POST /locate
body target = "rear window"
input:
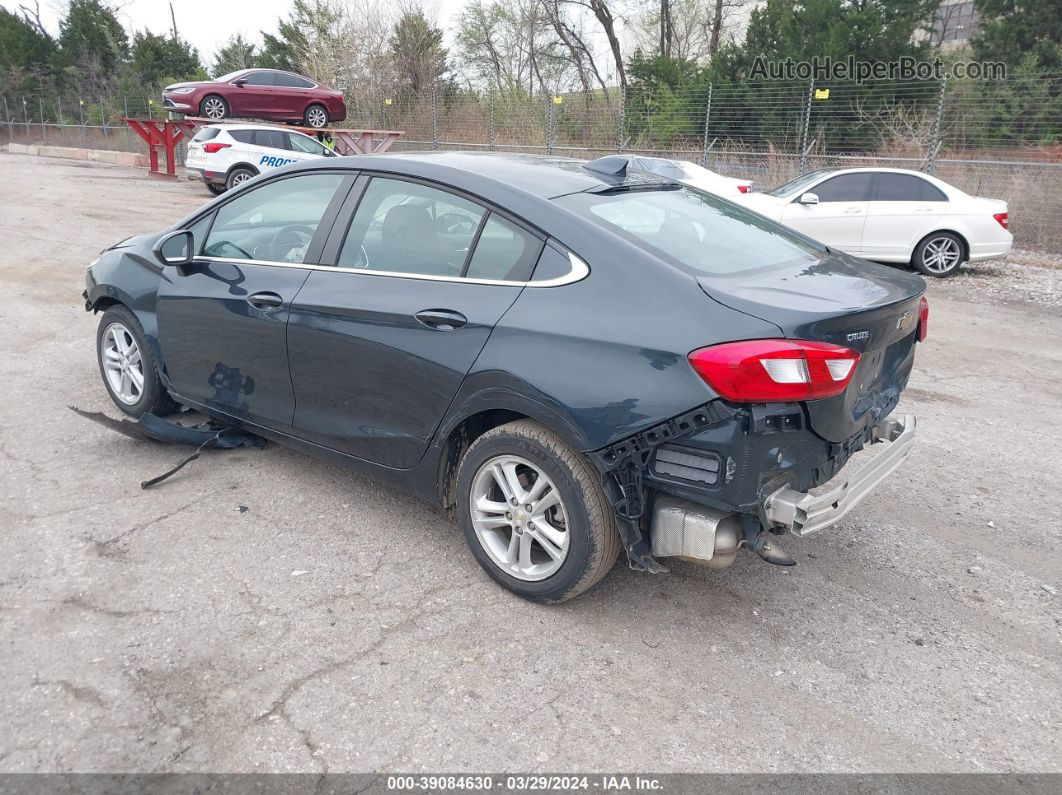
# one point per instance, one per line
(703, 233)
(206, 133)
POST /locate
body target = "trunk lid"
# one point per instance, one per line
(861, 305)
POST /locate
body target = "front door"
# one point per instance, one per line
(254, 97)
(840, 214)
(380, 344)
(223, 319)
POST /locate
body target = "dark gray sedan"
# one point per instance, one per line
(572, 358)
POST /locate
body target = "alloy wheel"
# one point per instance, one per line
(213, 108)
(941, 254)
(519, 518)
(123, 365)
(240, 177)
(316, 117)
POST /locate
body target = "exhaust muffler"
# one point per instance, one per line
(684, 529)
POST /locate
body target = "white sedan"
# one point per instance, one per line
(890, 215)
(691, 174)
(225, 155)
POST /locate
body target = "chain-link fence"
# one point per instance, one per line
(999, 139)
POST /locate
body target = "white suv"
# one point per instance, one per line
(224, 155)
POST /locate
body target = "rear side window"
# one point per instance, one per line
(845, 188)
(503, 252)
(243, 136)
(274, 139)
(274, 222)
(291, 81)
(906, 188)
(703, 233)
(406, 227)
(206, 133)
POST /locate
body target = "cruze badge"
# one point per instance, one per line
(905, 321)
(858, 335)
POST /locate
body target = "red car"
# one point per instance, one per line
(260, 94)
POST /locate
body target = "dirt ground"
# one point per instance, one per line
(263, 611)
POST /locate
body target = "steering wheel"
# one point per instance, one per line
(304, 232)
(224, 244)
(452, 223)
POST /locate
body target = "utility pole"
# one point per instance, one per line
(665, 28)
(173, 19)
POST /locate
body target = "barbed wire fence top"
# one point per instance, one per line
(996, 138)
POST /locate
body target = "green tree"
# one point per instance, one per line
(157, 60)
(235, 54)
(25, 52)
(419, 57)
(91, 37)
(1025, 33)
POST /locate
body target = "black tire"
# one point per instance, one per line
(239, 175)
(926, 259)
(153, 397)
(217, 190)
(316, 116)
(211, 101)
(594, 542)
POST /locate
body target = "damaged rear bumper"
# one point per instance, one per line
(802, 513)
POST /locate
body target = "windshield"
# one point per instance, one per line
(230, 76)
(702, 232)
(797, 183)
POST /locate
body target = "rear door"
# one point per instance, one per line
(901, 207)
(222, 319)
(840, 214)
(380, 343)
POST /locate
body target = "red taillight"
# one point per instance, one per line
(212, 147)
(759, 371)
(743, 188)
(1003, 220)
(923, 320)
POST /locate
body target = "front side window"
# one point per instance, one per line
(698, 231)
(845, 188)
(274, 222)
(405, 227)
(303, 143)
(260, 79)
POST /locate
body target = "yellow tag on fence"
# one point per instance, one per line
(388, 101)
(822, 93)
(558, 100)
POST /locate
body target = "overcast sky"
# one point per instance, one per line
(205, 23)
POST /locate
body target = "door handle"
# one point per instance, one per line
(441, 319)
(265, 300)
(853, 210)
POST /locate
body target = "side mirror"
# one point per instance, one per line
(809, 198)
(176, 248)
(240, 81)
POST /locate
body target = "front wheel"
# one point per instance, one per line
(534, 514)
(128, 367)
(316, 117)
(938, 254)
(214, 108)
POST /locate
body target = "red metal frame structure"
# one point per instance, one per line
(162, 134)
(165, 134)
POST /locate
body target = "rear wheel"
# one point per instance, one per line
(534, 514)
(213, 107)
(128, 366)
(939, 254)
(316, 117)
(238, 176)
(217, 190)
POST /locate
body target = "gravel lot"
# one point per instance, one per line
(335, 625)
